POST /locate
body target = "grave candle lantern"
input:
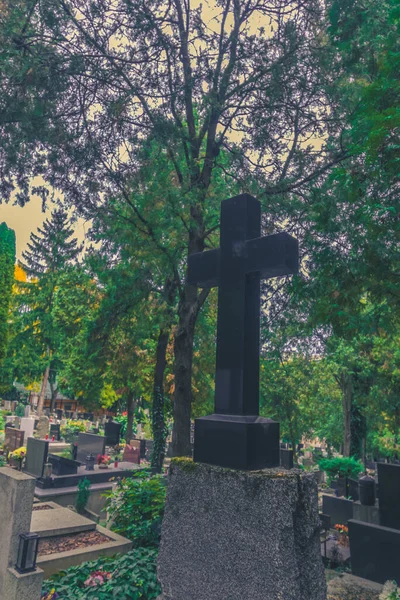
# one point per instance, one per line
(27, 552)
(90, 462)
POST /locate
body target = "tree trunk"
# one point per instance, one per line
(347, 390)
(158, 417)
(130, 407)
(43, 390)
(54, 391)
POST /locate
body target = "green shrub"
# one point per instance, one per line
(83, 494)
(20, 410)
(3, 460)
(341, 467)
(2, 423)
(133, 577)
(72, 429)
(136, 507)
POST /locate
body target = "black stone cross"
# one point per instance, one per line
(235, 436)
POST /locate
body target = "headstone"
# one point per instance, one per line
(286, 458)
(131, 454)
(339, 509)
(55, 430)
(63, 466)
(375, 552)
(16, 501)
(7, 405)
(389, 494)
(237, 268)
(59, 413)
(28, 426)
(13, 439)
(247, 535)
(352, 489)
(112, 432)
(36, 456)
(43, 427)
(149, 449)
(27, 411)
(90, 444)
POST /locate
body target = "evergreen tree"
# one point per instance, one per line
(7, 260)
(51, 251)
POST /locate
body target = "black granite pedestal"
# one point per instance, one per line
(237, 442)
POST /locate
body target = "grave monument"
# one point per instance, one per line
(251, 529)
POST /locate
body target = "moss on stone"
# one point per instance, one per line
(189, 466)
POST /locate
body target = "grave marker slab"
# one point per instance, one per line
(36, 456)
(235, 435)
(14, 438)
(112, 432)
(339, 509)
(43, 427)
(28, 426)
(89, 443)
(132, 454)
(375, 551)
(389, 494)
(55, 430)
(286, 458)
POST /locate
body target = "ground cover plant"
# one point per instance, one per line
(128, 577)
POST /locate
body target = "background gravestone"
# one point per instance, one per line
(43, 427)
(55, 430)
(375, 551)
(28, 426)
(389, 494)
(132, 454)
(112, 432)
(89, 443)
(36, 456)
(14, 438)
(339, 509)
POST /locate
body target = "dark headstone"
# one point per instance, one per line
(36, 456)
(339, 485)
(370, 464)
(63, 466)
(90, 444)
(149, 449)
(339, 509)
(55, 430)
(59, 413)
(389, 494)
(367, 491)
(142, 449)
(326, 521)
(112, 432)
(235, 436)
(132, 454)
(375, 551)
(286, 458)
(352, 489)
(13, 439)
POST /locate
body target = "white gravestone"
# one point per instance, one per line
(27, 425)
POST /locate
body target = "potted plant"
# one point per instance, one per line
(343, 535)
(103, 460)
(18, 456)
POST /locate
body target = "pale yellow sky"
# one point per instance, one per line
(26, 219)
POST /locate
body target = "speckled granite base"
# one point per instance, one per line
(236, 535)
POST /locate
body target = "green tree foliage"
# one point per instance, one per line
(7, 261)
(36, 337)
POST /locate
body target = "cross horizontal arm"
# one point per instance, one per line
(272, 256)
(203, 269)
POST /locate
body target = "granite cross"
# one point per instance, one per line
(235, 436)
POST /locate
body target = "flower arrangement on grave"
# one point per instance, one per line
(97, 578)
(103, 460)
(18, 455)
(343, 534)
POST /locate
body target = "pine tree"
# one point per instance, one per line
(50, 252)
(7, 260)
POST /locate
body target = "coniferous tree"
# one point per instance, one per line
(50, 252)
(7, 260)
